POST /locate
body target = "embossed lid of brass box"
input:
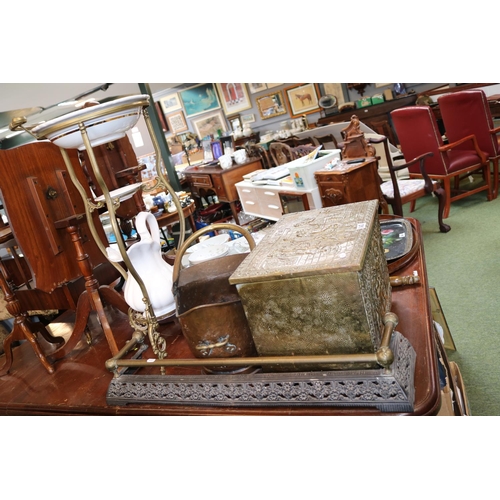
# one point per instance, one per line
(326, 240)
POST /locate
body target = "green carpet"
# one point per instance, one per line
(464, 267)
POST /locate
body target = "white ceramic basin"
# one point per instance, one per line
(104, 123)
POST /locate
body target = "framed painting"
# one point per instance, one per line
(234, 97)
(271, 105)
(234, 121)
(302, 99)
(199, 99)
(272, 85)
(257, 87)
(248, 118)
(176, 122)
(170, 103)
(339, 90)
(209, 124)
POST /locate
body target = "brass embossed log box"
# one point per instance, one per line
(317, 283)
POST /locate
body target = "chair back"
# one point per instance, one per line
(465, 113)
(327, 141)
(281, 153)
(418, 133)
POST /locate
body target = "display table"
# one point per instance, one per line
(357, 182)
(214, 179)
(80, 382)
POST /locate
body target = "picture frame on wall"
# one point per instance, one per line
(271, 105)
(247, 118)
(339, 90)
(170, 103)
(177, 122)
(234, 121)
(209, 124)
(302, 99)
(272, 85)
(199, 99)
(234, 97)
(257, 87)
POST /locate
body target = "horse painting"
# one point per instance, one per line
(304, 97)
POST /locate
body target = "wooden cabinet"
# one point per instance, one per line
(377, 117)
(359, 182)
(213, 179)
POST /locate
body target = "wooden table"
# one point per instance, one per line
(358, 182)
(80, 381)
(169, 218)
(222, 182)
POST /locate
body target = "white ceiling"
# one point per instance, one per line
(38, 101)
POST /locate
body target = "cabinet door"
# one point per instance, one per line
(332, 190)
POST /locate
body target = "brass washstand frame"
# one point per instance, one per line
(141, 322)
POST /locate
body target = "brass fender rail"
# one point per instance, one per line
(384, 355)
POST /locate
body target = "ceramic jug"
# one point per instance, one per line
(156, 274)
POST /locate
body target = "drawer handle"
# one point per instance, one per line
(249, 203)
(246, 190)
(270, 193)
(274, 207)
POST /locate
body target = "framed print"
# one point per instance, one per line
(302, 99)
(248, 118)
(234, 97)
(271, 105)
(273, 85)
(234, 121)
(339, 90)
(257, 87)
(161, 117)
(199, 99)
(209, 124)
(170, 103)
(176, 122)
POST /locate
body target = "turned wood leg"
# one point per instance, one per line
(23, 329)
(441, 194)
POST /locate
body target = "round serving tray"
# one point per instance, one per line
(405, 248)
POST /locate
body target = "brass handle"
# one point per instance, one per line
(203, 230)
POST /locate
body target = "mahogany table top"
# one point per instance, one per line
(80, 381)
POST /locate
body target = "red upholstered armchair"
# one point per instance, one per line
(465, 113)
(418, 133)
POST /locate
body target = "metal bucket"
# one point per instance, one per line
(209, 309)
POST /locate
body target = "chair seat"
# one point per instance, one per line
(461, 159)
(406, 187)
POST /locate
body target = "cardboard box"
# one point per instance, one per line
(317, 283)
(363, 102)
(378, 99)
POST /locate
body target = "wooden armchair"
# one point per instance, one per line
(418, 133)
(281, 153)
(256, 151)
(327, 141)
(398, 192)
(468, 113)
